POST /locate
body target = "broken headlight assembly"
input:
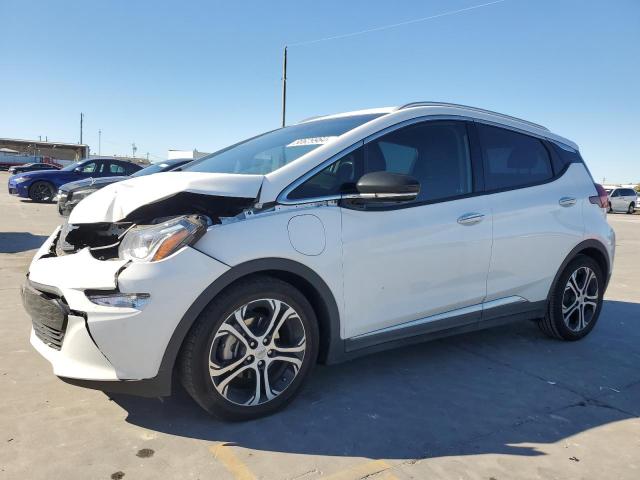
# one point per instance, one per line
(150, 243)
(74, 198)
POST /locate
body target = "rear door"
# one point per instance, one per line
(536, 214)
(629, 196)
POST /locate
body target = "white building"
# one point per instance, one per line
(193, 154)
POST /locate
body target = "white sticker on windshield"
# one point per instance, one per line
(310, 141)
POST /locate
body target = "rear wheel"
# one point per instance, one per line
(632, 208)
(41, 192)
(250, 350)
(576, 300)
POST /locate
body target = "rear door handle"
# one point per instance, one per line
(470, 218)
(567, 201)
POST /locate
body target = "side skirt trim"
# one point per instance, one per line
(467, 319)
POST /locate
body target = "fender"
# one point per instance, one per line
(331, 344)
(584, 245)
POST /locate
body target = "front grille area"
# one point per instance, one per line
(48, 312)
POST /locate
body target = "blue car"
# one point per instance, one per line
(41, 186)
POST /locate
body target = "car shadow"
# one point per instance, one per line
(15, 242)
(493, 391)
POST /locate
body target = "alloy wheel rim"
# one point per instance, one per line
(580, 299)
(257, 352)
(42, 192)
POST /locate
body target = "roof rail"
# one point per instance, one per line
(475, 109)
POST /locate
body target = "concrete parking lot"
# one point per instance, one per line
(500, 404)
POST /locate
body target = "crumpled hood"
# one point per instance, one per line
(114, 202)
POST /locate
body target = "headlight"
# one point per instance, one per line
(150, 243)
(121, 300)
(80, 194)
(21, 179)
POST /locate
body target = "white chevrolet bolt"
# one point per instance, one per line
(335, 237)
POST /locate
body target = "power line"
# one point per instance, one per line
(395, 25)
(362, 32)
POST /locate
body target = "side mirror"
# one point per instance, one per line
(386, 187)
(77, 170)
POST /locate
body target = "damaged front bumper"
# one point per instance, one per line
(111, 348)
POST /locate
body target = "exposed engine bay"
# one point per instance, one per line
(103, 238)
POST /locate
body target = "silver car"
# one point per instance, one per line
(622, 200)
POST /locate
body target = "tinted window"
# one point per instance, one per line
(435, 153)
(116, 168)
(563, 157)
(339, 177)
(512, 159)
(628, 192)
(88, 167)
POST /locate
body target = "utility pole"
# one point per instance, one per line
(99, 142)
(133, 149)
(81, 119)
(284, 86)
(147, 157)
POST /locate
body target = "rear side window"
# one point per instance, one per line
(116, 168)
(512, 159)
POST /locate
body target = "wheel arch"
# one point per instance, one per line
(290, 271)
(591, 248)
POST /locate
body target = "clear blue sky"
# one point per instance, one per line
(205, 74)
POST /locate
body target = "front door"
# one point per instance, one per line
(422, 263)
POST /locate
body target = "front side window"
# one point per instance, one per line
(435, 153)
(339, 177)
(512, 159)
(268, 152)
(88, 167)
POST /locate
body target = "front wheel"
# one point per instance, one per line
(576, 300)
(250, 350)
(609, 209)
(41, 192)
(632, 208)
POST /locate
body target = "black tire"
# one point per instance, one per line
(198, 348)
(554, 324)
(609, 209)
(41, 192)
(631, 209)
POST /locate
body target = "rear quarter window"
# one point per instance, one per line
(564, 156)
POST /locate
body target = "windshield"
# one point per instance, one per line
(268, 152)
(155, 168)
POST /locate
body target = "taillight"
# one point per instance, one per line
(602, 199)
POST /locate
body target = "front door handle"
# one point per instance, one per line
(470, 218)
(567, 201)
